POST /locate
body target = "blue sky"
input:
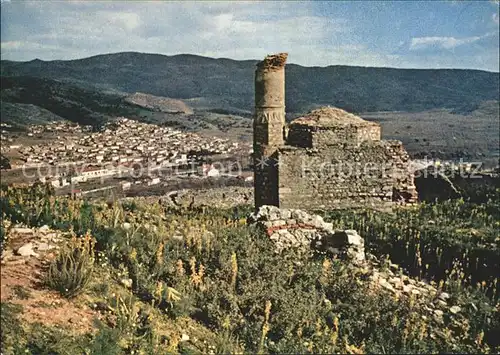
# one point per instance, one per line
(404, 34)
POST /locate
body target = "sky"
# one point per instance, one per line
(402, 34)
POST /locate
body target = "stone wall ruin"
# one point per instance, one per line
(293, 228)
(328, 158)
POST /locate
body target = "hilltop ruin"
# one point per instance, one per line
(328, 158)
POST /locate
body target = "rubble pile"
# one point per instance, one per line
(438, 306)
(295, 228)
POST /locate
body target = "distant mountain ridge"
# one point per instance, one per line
(228, 84)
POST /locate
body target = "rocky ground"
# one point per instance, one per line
(24, 262)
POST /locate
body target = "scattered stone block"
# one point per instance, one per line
(21, 230)
(279, 223)
(45, 228)
(444, 296)
(44, 247)
(26, 250)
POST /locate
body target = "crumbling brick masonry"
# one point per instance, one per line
(328, 158)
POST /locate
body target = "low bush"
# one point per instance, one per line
(72, 269)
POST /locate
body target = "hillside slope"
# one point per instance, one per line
(229, 83)
(52, 97)
(157, 103)
(31, 100)
(23, 114)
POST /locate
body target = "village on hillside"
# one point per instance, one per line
(122, 147)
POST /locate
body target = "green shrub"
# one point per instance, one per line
(106, 342)
(72, 269)
(226, 343)
(11, 331)
(42, 339)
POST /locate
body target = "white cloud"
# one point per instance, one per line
(12, 45)
(127, 20)
(494, 17)
(26, 45)
(443, 42)
(457, 2)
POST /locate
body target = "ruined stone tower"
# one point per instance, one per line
(328, 158)
(268, 126)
